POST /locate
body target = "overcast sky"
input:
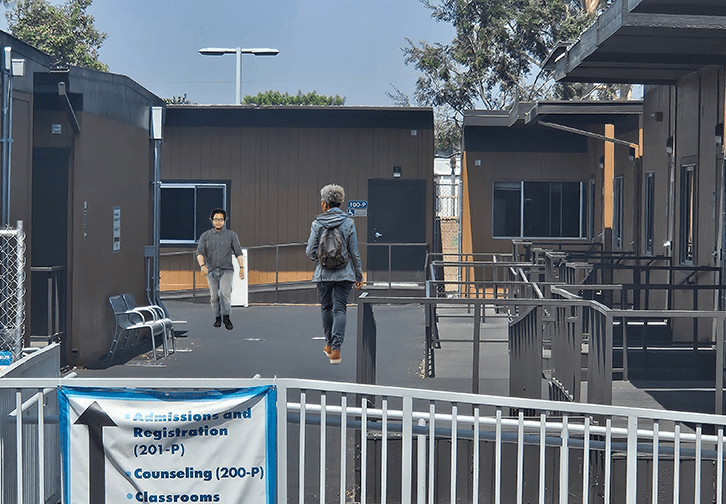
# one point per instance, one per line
(351, 48)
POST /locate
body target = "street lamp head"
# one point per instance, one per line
(219, 51)
(264, 51)
(216, 51)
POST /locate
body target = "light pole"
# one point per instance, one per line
(239, 51)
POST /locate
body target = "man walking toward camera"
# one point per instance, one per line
(333, 244)
(214, 255)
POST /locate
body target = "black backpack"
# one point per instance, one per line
(332, 249)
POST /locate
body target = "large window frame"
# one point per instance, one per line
(538, 209)
(185, 208)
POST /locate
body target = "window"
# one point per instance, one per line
(618, 212)
(548, 209)
(185, 209)
(649, 212)
(687, 214)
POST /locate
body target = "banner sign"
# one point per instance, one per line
(130, 445)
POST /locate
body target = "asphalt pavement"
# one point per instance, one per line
(286, 341)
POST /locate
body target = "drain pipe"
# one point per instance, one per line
(7, 91)
(157, 135)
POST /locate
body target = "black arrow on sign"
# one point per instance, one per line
(96, 419)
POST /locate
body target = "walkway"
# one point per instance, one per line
(285, 341)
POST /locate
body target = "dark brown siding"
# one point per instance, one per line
(112, 168)
(500, 166)
(275, 176)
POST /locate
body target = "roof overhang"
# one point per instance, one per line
(645, 42)
(624, 114)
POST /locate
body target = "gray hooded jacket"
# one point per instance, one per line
(352, 272)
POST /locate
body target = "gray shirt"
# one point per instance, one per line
(217, 248)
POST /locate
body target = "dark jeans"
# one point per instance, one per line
(334, 306)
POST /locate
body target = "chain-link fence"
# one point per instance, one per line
(448, 194)
(12, 290)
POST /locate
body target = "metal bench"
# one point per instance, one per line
(133, 321)
(154, 313)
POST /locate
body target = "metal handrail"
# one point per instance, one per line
(55, 332)
(279, 246)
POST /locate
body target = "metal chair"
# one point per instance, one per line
(153, 313)
(129, 324)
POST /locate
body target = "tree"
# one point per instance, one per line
(269, 98)
(497, 47)
(494, 59)
(65, 32)
(178, 100)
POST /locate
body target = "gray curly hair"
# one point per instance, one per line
(332, 195)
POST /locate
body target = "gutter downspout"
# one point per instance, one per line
(157, 135)
(7, 100)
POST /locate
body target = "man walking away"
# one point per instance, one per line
(214, 255)
(333, 244)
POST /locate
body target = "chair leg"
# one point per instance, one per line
(164, 345)
(153, 340)
(114, 345)
(126, 338)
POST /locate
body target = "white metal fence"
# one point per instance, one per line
(12, 289)
(386, 444)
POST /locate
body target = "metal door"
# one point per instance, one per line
(49, 238)
(396, 218)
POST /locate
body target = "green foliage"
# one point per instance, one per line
(269, 98)
(447, 133)
(65, 32)
(495, 56)
(178, 100)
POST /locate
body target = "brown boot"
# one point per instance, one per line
(327, 350)
(335, 357)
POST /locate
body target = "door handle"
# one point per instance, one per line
(378, 235)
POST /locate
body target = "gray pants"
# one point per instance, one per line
(220, 289)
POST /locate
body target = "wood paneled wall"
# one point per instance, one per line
(275, 175)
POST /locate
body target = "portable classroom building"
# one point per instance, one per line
(266, 166)
(81, 164)
(537, 172)
(676, 49)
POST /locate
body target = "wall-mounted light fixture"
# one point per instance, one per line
(631, 153)
(601, 163)
(719, 134)
(396, 172)
(657, 116)
(669, 145)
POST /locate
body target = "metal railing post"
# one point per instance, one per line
(366, 342)
(20, 284)
(719, 365)
(390, 278)
(625, 348)
(478, 307)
